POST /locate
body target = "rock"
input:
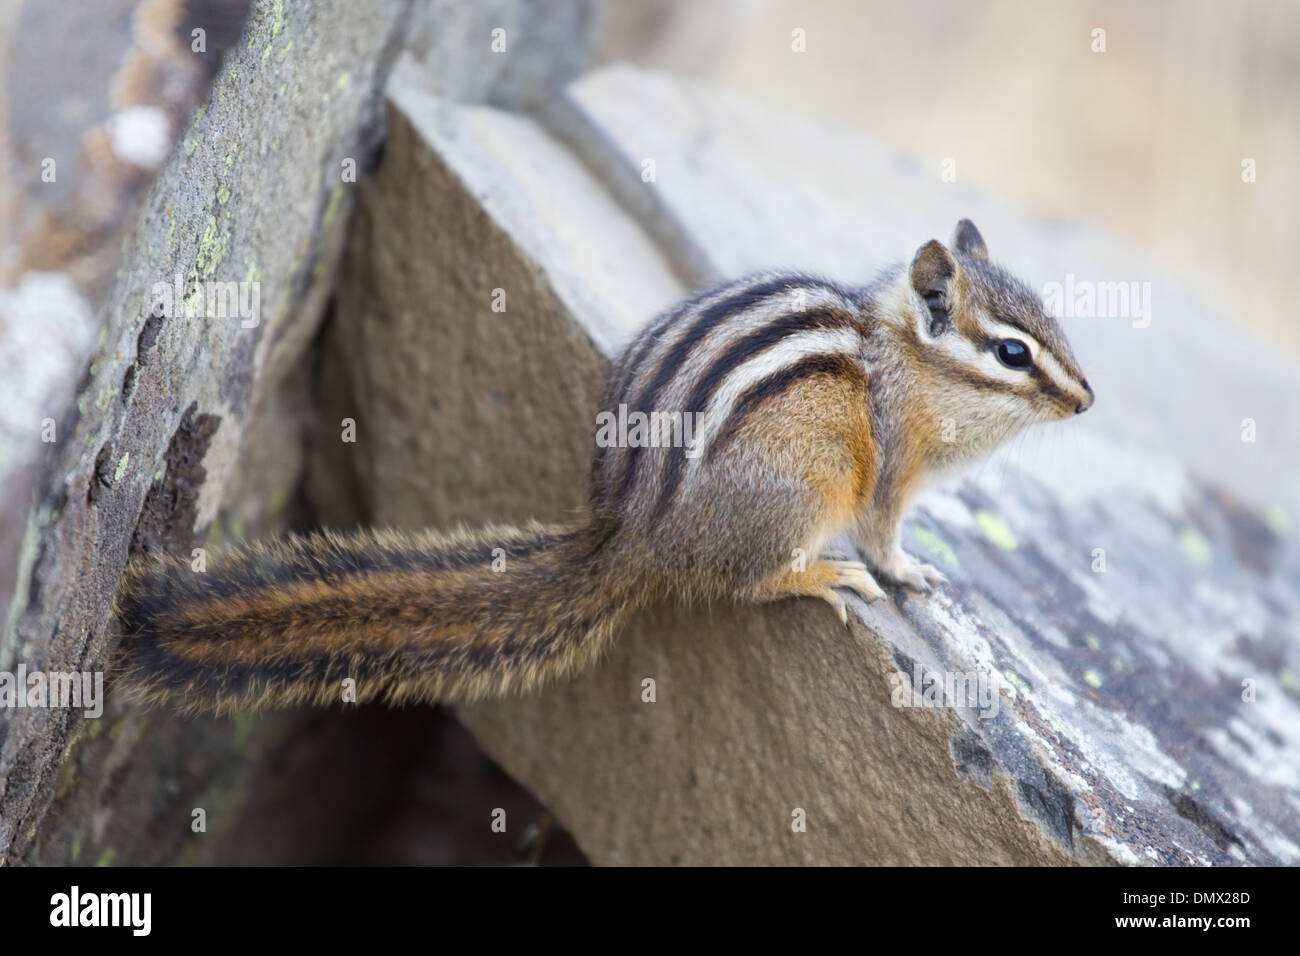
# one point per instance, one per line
(513, 53)
(78, 147)
(166, 445)
(1121, 731)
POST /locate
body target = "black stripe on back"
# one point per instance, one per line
(650, 337)
(735, 355)
(839, 365)
(704, 324)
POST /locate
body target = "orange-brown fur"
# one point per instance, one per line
(374, 627)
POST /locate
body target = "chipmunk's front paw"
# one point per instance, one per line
(907, 571)
(855, 576)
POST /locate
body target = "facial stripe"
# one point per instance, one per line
(957, 358)
(1046, 385)
(995, 331)
(1053, 378)
(1062, 379)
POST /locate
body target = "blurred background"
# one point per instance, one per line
(1146, 139)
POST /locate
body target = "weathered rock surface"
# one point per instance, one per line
(1121, 732)
(77, 148)
(156, 447)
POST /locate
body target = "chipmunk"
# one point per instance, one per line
(823, 409)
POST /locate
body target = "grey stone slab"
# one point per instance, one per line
(1121, 731)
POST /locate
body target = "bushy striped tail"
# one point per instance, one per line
(408, 617)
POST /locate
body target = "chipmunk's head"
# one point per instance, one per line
(992, 360)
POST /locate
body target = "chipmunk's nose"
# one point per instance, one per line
(1087, 402)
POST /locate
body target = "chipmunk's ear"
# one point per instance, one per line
(967, 240)
(933, 269)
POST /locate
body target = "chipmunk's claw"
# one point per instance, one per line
(855, 576)
(907, 571)
(837, 602)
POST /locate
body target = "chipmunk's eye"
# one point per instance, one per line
(1013, 353)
